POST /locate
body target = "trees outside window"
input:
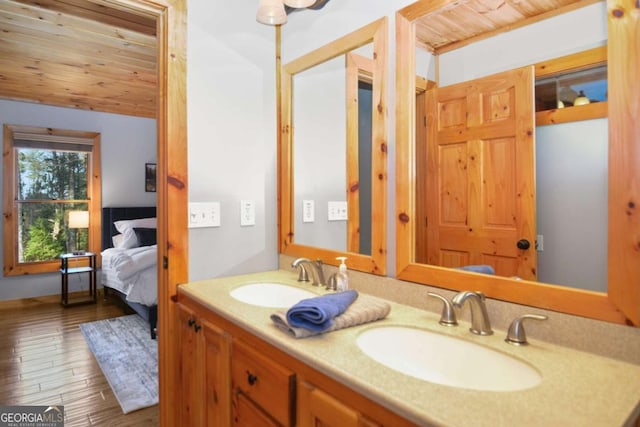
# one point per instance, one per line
(47, 174)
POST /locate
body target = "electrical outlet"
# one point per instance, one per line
(247, 213)
(204, 215)
(308, 211)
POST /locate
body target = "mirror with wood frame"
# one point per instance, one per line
(320, 173)
(612, 305)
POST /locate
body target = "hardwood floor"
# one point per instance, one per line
(44, 360)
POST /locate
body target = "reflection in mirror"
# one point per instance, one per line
(569, 195)
(332, 167)
(592, 182)
(333, 151)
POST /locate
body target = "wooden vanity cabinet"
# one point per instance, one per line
(230, 377)
(203, 371)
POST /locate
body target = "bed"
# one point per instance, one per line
(129, 259)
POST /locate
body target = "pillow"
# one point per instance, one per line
(117, 240)
(145, 236)
(126, 228)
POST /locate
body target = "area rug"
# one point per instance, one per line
(128, 358)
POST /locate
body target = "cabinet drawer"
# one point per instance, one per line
(267, 383)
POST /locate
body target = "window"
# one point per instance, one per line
(47, 174)
(572, 87)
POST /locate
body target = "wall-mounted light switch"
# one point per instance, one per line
(204, 215)
(337, 211)
(247, 213)
(540, 243)
(308, 211)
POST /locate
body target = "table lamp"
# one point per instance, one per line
(78, 219)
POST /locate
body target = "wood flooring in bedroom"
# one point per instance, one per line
(44, 360)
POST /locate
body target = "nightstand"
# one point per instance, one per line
(65, 270)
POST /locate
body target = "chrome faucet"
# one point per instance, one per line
(480, 323)
(316, 267)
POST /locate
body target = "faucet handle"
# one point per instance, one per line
(516, 334)
(448, 316)
(332, 283)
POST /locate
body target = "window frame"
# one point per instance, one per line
(12, 266)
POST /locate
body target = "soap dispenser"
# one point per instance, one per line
(342, 278)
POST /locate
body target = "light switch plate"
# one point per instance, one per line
(337, 211)
(203, 215)
(247, 213)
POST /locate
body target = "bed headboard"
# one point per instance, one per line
(110, 215)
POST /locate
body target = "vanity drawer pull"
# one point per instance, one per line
(251, 379)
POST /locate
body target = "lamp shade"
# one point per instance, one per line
(581, 99)
(299, 4)
(271, 12)
(78, 219)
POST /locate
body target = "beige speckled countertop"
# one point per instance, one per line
(577, 388)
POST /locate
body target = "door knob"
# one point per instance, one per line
(523, 244)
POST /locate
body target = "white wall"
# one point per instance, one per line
(320, 172)
(231, 95)
(572, 203)
(127, 143)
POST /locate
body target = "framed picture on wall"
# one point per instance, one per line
(150, 177)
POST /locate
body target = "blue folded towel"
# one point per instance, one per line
(316, 314)
(486, 269)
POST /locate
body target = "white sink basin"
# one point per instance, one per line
(270, 294)
(446, 360)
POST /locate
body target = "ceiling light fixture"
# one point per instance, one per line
(271, 12)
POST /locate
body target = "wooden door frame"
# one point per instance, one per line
(172, 189)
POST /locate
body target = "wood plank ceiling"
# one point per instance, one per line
(78, 54)
(461, 22)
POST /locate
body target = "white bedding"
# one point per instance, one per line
(133, 272)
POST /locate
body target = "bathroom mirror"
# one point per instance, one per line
(613, 305)
(333, 152)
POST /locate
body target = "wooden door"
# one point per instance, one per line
(480, 187)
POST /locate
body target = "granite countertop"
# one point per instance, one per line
(577, 388)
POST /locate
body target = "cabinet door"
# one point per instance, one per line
(203, 372)
(319, 409)
(247, 414)
(190, 403)
(216, 346)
